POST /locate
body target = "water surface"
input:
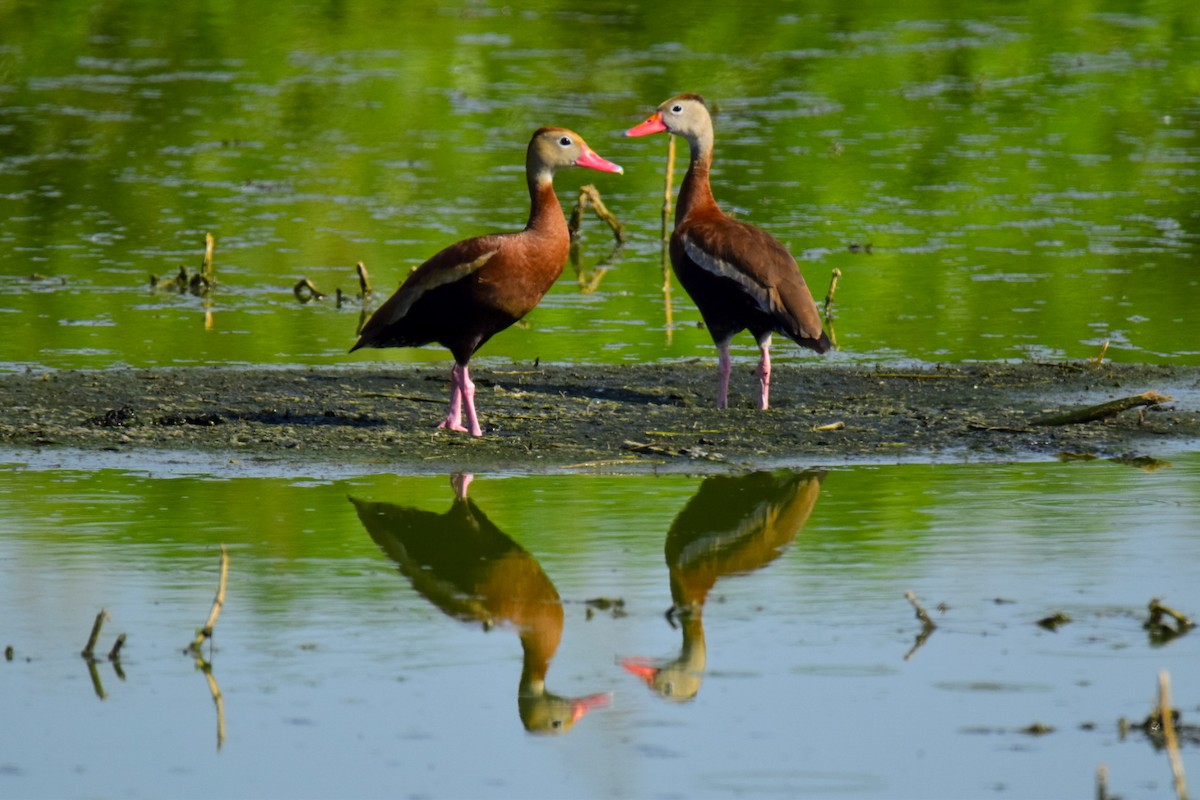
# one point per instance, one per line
(1024, 177)
(344, 670)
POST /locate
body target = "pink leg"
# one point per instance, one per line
(453, 420)
(724, 366)
(468, 401)
(460, 482)
(764, 372)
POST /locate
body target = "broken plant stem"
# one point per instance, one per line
(928, 626)
(667, 227)
(364, 280)
(829, 330)
(90, 649)
(922, 614)
(115, 653)
(206, 632)
(206, 267)
(306, 291)
(1172, 741)
(1102, 410)
(1157, 610)
(589, 194)
(589, 280)
(833, 284)
(668, 193)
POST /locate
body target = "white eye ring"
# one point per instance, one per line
(676, 109)
(565, 141)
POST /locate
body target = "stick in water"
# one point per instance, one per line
(206, 632)
(90, 648)
(1172, 742)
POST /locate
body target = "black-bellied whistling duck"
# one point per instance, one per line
(467, 567)
(738, 275)
(474, 289)
(734, 525)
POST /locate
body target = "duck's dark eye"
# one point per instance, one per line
(677, 109)
(565, 141)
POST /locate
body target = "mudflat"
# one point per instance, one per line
(612, 418)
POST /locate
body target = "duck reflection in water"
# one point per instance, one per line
(734, 525)
(471, 570)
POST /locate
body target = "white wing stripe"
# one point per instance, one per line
(710, 263)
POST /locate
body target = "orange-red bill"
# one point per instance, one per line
(582, 705)
(642, 667)
(590, 160)
(654, 124)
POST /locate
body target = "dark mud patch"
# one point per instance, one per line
(654, 416)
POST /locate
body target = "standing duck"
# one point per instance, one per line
(739, 276)
(470, 569)
(474, 289)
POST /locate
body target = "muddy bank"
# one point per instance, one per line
(551, 417)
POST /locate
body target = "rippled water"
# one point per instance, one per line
(380, 638)
(1025, 178)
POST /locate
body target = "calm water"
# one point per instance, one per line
(351, 661)
(1025, 176)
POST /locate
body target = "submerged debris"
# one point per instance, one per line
(928, 626)
(1036, 729)
(1054, 621)
(1161, 632)
(614, 605)
(199, 283)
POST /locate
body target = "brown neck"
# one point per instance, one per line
(545, 214)
(695, 192)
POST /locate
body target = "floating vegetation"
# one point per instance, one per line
(199, 283)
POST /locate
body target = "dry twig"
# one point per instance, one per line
(115, 654)
(667, 227)
(90, 648)
(833, 284)
(1102, 410)
(922, 614)
(364, 280)
(1160, 632)
(928, 626)
(590, 195)
(1172, 742)
(306, 291)
(205, 633)
(589, 280)
(207, 270)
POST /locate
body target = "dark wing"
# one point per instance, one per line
(762, 268)
(455, 263)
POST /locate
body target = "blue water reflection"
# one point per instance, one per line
(472, 571)
(336, 675)
(733, 526)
